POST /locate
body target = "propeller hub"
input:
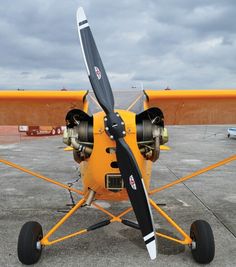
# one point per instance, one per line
(114, 126)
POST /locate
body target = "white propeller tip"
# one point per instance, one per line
(152, 250)
(80, 15)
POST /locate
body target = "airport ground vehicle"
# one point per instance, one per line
(35, 130)
(232, 132)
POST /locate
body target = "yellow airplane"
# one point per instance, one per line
(127, 143)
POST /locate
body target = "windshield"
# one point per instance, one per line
(127, 100)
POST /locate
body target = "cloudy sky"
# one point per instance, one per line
(181, 44)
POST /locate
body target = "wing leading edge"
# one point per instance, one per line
(194, 107)
(39, 107)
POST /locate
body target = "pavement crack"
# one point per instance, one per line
(203, 203)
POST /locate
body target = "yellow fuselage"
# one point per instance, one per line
(94, 169)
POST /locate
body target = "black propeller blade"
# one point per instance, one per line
(115, 129)
(96, 71)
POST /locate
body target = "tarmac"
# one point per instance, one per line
(210, 196)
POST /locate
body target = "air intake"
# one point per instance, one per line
(114, 182)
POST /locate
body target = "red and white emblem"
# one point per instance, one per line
(98, 72)
(132, 182)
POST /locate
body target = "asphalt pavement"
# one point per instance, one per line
(211, 196)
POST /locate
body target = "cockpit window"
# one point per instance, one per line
(127, 100)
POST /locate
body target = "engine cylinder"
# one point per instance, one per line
(85, 131)
(150, 128)
(144, 130)
(79, 134)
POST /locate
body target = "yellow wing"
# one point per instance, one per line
(39, 107)
(194, 106)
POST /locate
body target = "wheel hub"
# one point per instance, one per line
(38, 245)
(193, 245)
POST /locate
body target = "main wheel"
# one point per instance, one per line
(28, 250)
(203, 247)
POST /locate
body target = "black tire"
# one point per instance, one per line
(58, 130)
(201, 233)
(53, 131)
(30, 234)
(228, 135)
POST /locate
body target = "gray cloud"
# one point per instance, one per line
(24, 73)
(51, 77)
(180, 44)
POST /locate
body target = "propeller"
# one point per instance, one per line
(115, 128)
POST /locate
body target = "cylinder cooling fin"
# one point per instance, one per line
(79, 134)
(151, 133)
